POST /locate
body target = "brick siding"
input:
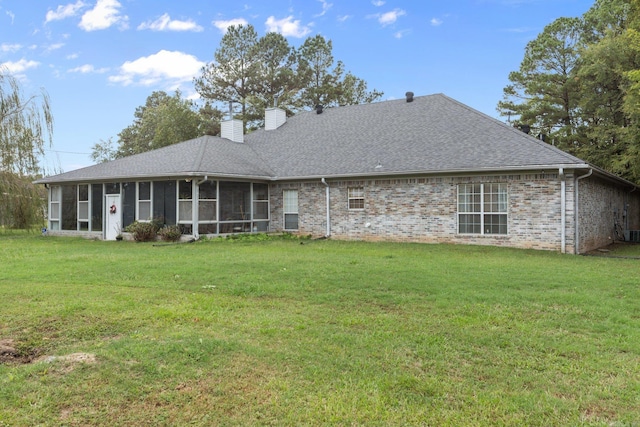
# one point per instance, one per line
(423, 209)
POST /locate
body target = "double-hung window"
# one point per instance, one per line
(356, 198)
(482, 208)
(290, 201)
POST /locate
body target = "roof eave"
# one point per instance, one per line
(176, 175)
(491, 170)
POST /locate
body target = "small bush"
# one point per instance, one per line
(170, 233)
(142, 231)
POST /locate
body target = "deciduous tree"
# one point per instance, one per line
(162, 121)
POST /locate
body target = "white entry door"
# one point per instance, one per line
(113, 215)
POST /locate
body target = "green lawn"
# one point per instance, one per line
(288, 332)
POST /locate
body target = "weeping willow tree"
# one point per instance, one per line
(26, 128)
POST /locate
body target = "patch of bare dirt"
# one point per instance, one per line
(11, 354)
(68, 363)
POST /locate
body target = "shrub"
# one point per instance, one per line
(170, 233)
(142, 231)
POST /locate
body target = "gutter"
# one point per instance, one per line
(447, 172)
(328, 234)
(577, 210)
(563, 211)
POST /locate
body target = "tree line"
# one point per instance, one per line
(252, 73)
(578, 87)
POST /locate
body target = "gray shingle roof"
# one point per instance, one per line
(432, 134)
(206, 155)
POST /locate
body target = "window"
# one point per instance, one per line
(83, 207)
(356, 198)
(144, 201)
(290, 207)
(54, 207)
(112, 188)
(260, 207)
(207, 207)
(185, 202)
(482, 209)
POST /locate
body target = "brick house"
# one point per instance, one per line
(423, 169)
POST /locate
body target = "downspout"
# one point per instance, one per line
(563, 211)
(195, 217)
(577, 210)
(328, 234)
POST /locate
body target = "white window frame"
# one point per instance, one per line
(288, 208)
(185, 202)
(488, 201)
(255, 202)
(55, 199)
(83, 205)
(140, 201)
(355, 197)
(214, 200)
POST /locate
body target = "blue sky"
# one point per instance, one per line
(99, 60)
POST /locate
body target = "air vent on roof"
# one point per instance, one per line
(525, 128)
(409, 96)
(319, 109)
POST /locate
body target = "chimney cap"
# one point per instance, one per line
(409, 96)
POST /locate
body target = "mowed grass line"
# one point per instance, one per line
(288, 332)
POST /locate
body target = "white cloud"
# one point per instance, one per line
(377, 3)
(223, 25)
(344, 18)
(436, 22)
(287, 27)
(389, 18)
(11, 15)
(400, 34)
(18, 67)
(88, 69)
(166, 68)
(64, 11)
(105, 14)
(165, 23)
(11, 48)
(50, 48)
(325, 7)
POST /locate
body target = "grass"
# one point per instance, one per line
(288, 332)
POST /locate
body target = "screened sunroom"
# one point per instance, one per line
(198, 206)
